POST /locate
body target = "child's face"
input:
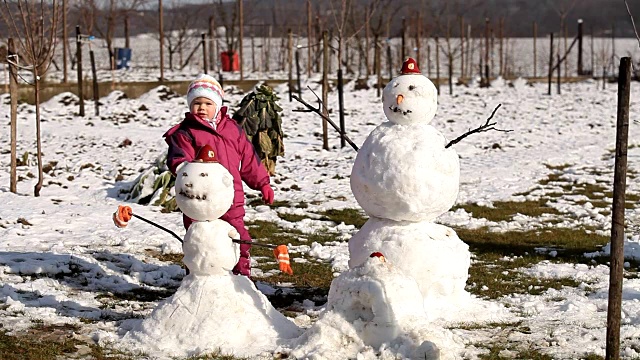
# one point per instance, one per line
(203, 107)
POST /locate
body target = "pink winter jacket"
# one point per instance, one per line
(233, 149)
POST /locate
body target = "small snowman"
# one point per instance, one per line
(204, 192)
(404, 177)
(212, 310)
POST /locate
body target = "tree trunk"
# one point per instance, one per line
(13, 89)
(309, 22)
(38, 187)
(65, 43)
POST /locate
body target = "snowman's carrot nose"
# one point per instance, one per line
(399, 99)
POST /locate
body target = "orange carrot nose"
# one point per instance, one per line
(399, 99)
(122, 216)
(282, 254)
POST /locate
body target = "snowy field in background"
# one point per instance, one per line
(519, 55)
(61, 251)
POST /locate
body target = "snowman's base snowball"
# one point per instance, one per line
(224, 314)
(432, 254)
(375, 312)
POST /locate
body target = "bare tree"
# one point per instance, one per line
(177, 28)
(440, 17)
(341, 17)
(35, 25)
(230, 24)
(562, 8)
(101, 16)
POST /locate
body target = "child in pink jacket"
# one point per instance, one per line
(208, 123)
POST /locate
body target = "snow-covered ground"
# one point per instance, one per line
(60, 253)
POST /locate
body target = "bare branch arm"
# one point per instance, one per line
(482, 128)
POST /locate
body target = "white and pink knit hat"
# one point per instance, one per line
(208, 87)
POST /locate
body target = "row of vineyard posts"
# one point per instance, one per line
(321, 56)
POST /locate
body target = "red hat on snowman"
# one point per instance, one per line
(410, 67)
(206, 154)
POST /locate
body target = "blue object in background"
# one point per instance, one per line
(123, 57)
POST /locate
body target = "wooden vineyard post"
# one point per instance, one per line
(96, 95)
(617, 213)
(161, 34)
(550, 62)
(535, 50)
(580, 67)
(341, 106)
(290, 62)
(325, 88)
(205, 64)
(79, 71)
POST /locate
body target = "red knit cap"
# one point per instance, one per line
(410, 66)
(206, 154)
(378, 255)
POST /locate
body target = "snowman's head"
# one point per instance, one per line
(204, 188)
(411, 97)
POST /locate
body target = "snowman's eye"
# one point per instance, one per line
(204, 174)
(395, 85)
(184, 173)
(411, 87)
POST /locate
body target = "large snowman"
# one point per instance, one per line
(213, 310)
(404, 177)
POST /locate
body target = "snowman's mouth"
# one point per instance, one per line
(190, 195)
(397, 109)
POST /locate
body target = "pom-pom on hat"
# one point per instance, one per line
(208, 87)
(206, 154)
(410, 66)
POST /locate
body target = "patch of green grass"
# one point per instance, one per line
(214, 356)
(493, 276)
(310, 280)
(506, 210)
(551, 178)
(489, 325)
(528, 353)
(258, 201)
(557, 167)
(291, 217)
(269, 232)
(174, 258)
(322, 237)
(353, 217)
(569, 242)
(500, 344)
(139, 294)
(48, 342)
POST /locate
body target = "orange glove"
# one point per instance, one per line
(122, 216)
(282, 254)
